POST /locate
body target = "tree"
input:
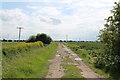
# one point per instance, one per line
(4, 40)
(44, 38)
(31, 39)
(110, 36)
(49, 39)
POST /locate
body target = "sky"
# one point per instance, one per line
(79, 19)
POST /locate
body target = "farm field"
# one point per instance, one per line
(10, 43)
(28, 64)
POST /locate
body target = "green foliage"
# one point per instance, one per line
(10, 51)
(40, 37)
(9, 44)
(0, 60)
(90, 53)
(31, 64)
(44, 38)
(31, 39)
(86, 45)
(71, 71)
(110, 36)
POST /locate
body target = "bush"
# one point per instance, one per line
(11, 51)
(110, 36)
(44, 38)
(4, 40)
(40, 37)
(31, 39)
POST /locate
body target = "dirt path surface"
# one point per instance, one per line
(57, 71)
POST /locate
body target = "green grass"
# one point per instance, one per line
(0, 60)
(33, 64)
(85, 45)
(71, 71)
(68, 60)
(10, 43)
(89, 62)
(0, 50)
(86, 50)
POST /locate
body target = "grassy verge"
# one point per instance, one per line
(10, 43)
(0, 60)
(71, 71)
(88, 62)
(33, 64)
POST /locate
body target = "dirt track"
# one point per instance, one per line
(57, 71)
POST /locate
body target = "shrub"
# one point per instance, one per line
(44, 38)
(11, 51)
(40, 37)
(31, 39)
(4, 40)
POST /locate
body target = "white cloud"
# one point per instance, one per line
(32, 7)
(51, 11)
(11, 19)
(14, 16)
(83, 18)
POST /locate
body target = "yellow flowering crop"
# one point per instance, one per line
(10, 51)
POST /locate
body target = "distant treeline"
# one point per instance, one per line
(46, 39)
(74, 41)
(5, 40)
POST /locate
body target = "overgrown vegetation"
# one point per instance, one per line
(9, 44)
(71, 71)
(10, 51)
(29, 64)
(27, 60)
(0, 60)
(110, 36)
(89, 52)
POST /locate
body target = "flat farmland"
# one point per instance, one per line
(10, 43)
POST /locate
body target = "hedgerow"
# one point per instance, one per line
(22, 47)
